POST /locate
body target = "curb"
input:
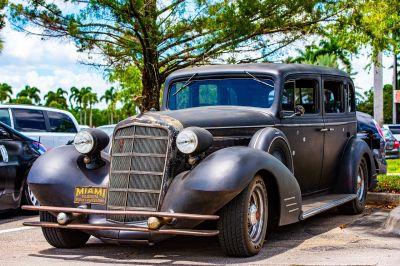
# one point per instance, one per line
(383, 198)
(393, 222)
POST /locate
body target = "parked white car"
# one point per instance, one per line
(395, 129)
(52, 127)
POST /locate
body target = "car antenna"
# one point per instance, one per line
(257, 79)
(184, 85)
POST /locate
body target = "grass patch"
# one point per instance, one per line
(393, 165)
(388, 183)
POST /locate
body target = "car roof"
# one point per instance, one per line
(34, 107)
(273, 69)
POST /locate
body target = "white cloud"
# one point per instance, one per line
(47, 65)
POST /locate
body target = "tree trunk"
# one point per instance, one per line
(90, 116)
(150, 92)
(378, 89)
(394, 83)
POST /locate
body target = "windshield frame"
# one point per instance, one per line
(261, 76)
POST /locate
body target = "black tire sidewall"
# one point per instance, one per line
(279, 145)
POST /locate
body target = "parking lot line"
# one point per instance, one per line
(15, 229)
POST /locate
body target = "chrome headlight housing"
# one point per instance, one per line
(90, 141)
(193, 140)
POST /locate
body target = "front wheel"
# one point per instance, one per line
(30, 198)
(360, 187)
(62, 238)
(243, 221)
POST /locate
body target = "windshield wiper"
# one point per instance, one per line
(259, 80)
(184, 86)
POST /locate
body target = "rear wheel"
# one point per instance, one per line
(360, 185)
(243, 221)
(62, 238)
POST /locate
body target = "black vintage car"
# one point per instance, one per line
(17, 154)
(249, 146)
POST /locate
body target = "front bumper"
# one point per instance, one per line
(166, 229)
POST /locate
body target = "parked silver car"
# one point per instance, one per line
(52, 127)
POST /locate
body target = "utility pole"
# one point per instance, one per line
(395, 88)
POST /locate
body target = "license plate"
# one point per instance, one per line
(92, 195)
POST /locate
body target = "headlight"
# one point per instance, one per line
(90, 141)
(84, 142)
(194, 140)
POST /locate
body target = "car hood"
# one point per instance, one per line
(222, 117)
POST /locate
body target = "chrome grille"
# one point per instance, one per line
(138, 161)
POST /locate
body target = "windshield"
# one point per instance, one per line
(229, 91)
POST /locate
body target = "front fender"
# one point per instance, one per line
(54, 176)
(222, 176)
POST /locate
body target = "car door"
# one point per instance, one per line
(340, 124)
(8, 161)
(32, 123)
(305, 138)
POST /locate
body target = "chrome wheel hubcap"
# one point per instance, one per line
(360, 183)
(256, 213)
(32, 198)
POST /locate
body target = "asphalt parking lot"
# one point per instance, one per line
(327, 239)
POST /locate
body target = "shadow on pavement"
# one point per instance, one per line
(14, 215)
(191, 250)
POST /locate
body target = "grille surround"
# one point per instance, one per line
(139, 162)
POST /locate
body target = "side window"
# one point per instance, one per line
(350, 98)
(301, 92)
(333, 96)
(29, 120)
(5, 117)
(60, 122)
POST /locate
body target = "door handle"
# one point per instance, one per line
(324, 130)
(331, 129)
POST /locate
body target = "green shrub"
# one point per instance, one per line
(388, 183)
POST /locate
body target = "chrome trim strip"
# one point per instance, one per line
(291, 198)
(293, 210)
(291, 204)
(327, 206)
(141, 136)
(137, 172)
(134, 190)
(139, 155)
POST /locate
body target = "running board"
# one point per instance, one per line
(316, 205)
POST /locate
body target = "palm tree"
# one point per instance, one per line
(31, 93)
(86, 98)
(76, 96)
(5, 92)
(90, 98)
(56, 99)
(110, 96)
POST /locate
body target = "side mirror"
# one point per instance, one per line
(299, 110)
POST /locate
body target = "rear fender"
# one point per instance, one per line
(222, 176)
(54, 176)
(355, 149)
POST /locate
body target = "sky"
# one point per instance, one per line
(51, 64)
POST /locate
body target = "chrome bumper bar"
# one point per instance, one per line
(123, 227)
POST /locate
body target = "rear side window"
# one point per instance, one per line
(60, 122)
(29, 120)
(5, 117)
(350, 98)
(334, 97)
